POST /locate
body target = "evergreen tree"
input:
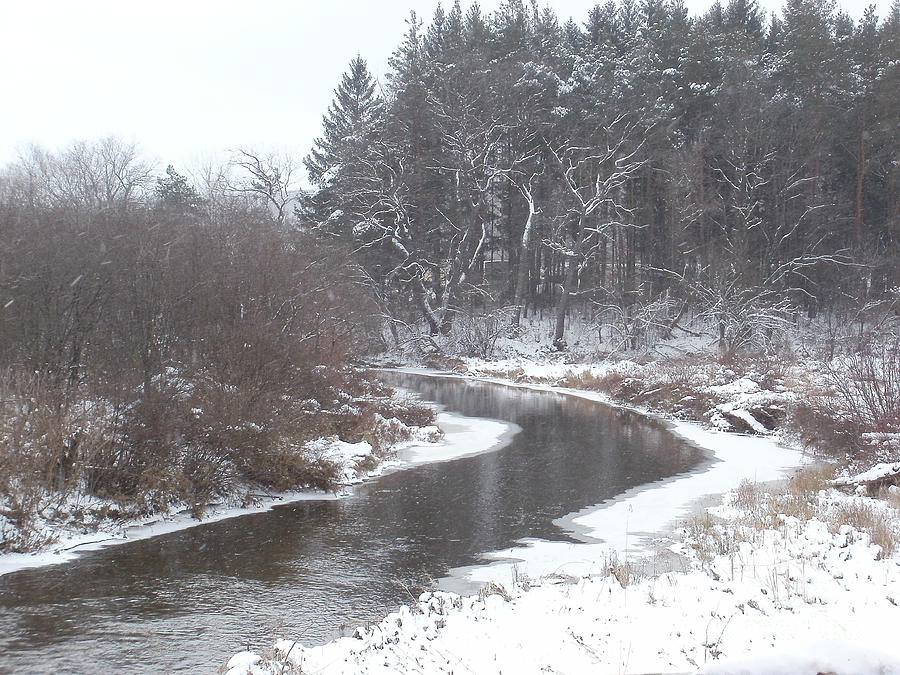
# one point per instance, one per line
(728, 160)
(340, 161)
(174, 192)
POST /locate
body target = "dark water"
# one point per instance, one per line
(188, 600)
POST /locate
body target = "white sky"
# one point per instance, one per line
(188, 79)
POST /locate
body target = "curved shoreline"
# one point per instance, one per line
(796, 593)
(486, 435)
(648, 511)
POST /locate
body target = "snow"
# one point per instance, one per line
(878, 471)
(638, 595)
(751, 619)
(811, 659)
(742, 385)
(623, 526)
(464, 436)
(243, 662)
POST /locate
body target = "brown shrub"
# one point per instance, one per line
(184, 438)
(811, 480)
(288, 468)
(861, 397)
(47, 438)
(747, 495)
(820, 428)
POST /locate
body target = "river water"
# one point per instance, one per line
(311, 570)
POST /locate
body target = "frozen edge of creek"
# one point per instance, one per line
(625, 525)
(463, 437)
(838, 616)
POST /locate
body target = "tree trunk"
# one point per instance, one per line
(524, 263)
(569, 284)
(860, 180)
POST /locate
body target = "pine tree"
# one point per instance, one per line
(175, 193)
(339, 161)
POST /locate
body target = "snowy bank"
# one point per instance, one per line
(801, 597)
(759, 589)
(626, 525)
(462, 436)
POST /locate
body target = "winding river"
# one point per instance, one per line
(309, 570)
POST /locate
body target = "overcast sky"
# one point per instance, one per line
(188, 79)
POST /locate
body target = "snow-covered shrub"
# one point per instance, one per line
(477, 334)
(853, 407)
(880, 524)
(47, 440)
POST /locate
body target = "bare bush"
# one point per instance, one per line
(493, 588)
(857, 412)
(155, 354)
(747, 495)
(477, 334)
(621, 570)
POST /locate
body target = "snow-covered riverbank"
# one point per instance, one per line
(462, 436)
(626, 525)
(756, 580)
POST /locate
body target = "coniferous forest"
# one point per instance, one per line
(639, 168)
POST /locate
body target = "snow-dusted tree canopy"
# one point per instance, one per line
(340, 158)
(646, 159)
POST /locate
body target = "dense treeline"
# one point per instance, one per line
(158, 345)
(165, 339)
(639, 168)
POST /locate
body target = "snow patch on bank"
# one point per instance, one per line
(463, 437)
(769, 605)
(626, 525)
(799, 597)
(70, 546)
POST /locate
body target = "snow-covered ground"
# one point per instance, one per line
(759, 589)
(462, 436)
(623, 526)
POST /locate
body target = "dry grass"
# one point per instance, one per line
(608, 383)
(891, 495)
(878, 523)
(708, 537)
(812, 479)
(747, 496)
(676, 389)
(797, 498)
(493, 588)
(788, 504)
(622, 571)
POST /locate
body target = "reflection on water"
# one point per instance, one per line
(189, 599)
